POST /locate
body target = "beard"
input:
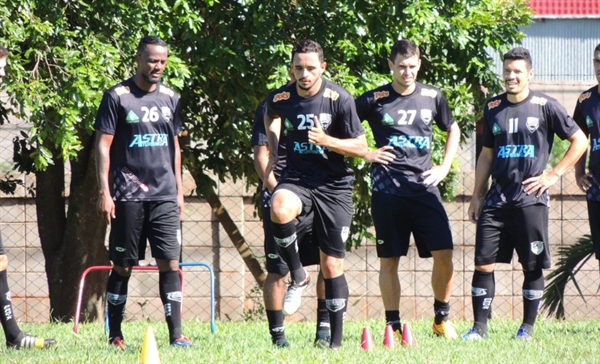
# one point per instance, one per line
(148, 78)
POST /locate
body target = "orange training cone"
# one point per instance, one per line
(408, 339)
(388, 337)
(149, 353)
(367, 340)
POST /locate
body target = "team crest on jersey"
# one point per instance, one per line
(428, 92)
(532, 124)
(380, 94)
(331, 94)
(585, 95)
(132, 117)
(167, 91)
(496, 129)
(122, 90)
(537, 247)
(539, 100)
(387, 119)
(325, 120)
(426, 116)
(345, 233)
(589, 122)
(493, 104)
(166, 113)
(281, 96)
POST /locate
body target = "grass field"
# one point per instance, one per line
(248, 342)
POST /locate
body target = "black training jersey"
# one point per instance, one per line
(334, 108)
(521, 137)
(259, 137)
(142, 154)
(406, 123)
(587, 116)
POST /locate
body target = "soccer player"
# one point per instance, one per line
(587, 116)
(136, 139)
(322, 128)
(277, 269)
(15, 338)
(519, 128)
(405, 196)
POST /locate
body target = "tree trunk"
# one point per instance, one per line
(73, 241)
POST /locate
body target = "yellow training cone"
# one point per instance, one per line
(149, 353)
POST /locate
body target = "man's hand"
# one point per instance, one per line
(584, 181)
(106, 206)
(382, 155)
(273, 159)
(180, 203)
(316, 134)
(474, 209)
(435, 175)
(540, 183)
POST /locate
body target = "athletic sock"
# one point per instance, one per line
(276, 327)
(116, 298)
(393, 318)
(322, 319)
(7, 317)
(286, 239)
(336, 293)
(169, 286)
(441, 311)
(533, 290)
(483, 291)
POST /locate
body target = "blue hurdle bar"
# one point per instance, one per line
(213, 328)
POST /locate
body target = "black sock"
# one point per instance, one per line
(322, 319)
(169, 286)
(7, 317)
(441, 311)
(116, 298)
(276, 327)
(336, 293)
(533, 289)
(483, 291)
(393, 318)
(285, 237)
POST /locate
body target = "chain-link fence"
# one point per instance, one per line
(237, 294)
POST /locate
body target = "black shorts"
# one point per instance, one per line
(396, 217)
(156, 221)
(331, 214)
(307, 248)
(594, 219)
(502, 230)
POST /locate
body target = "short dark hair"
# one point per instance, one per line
(150, 39)
(405, 48)
(597, 49)
(308, 46)
(3, 52)
(519, 53)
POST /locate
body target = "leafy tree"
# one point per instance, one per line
(225, 57)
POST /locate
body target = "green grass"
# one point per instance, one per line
(248, 342)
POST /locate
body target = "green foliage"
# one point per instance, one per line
(227, 55)
(257, 311)
(570, 260)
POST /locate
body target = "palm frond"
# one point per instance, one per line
(571, 259)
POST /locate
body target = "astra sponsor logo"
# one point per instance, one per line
(409, 141)
(281, 96)
(329, 93)
(149, 140)
(516, 151)
(539, 100)
(584, 96)
(493, 104)
(595, 144)
(380, 94)
(308, 148)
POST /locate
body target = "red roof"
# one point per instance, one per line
(566, 8)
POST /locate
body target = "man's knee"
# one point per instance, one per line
(3, 262)
(442, 256)
(285, 206)
(122, 271)
(389, 265)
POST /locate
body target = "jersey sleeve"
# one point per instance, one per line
(562, 124)
(353, 126)
(443, 117)
(488, 136)
(108, 114)
(177, 120)
(259, 134)
(363, 106)
(271, 109)
(579, 118)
